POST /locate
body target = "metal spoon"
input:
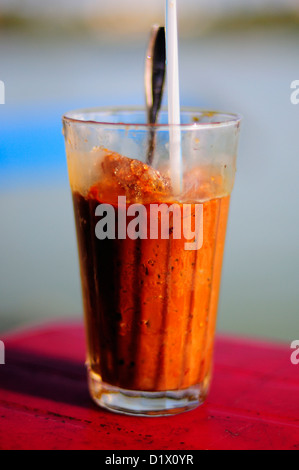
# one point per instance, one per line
(155, 67)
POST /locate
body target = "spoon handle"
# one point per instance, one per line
(155, 68)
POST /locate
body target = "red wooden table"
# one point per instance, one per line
(44, 402)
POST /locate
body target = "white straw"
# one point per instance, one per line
(173, 95)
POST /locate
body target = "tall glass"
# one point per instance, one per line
(150, 287)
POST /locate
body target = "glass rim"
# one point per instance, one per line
(72, 117)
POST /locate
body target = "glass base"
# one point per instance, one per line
(140, 403)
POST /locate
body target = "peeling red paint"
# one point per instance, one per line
(44, 402)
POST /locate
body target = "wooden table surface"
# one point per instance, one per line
(44, 401)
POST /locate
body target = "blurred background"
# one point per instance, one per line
(235, 55)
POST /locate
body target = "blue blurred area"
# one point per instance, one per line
(31, 147)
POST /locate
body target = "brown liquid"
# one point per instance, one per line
(150, 305)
